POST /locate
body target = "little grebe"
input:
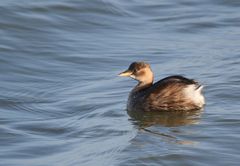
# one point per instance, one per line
(171, 93)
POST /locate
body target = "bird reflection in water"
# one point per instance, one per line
(144, 120)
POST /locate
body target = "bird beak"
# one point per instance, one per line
(126, 73)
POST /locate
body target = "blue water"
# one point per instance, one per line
(61, 102)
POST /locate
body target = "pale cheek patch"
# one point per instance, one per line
(133, 76)
(140, 76)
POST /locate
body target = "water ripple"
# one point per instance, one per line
(62, 102)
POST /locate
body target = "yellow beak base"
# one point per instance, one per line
(126, 73)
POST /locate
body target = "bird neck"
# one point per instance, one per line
(142, 86)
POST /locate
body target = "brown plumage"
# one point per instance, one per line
(170, 93)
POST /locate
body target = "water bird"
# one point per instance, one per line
(171, 93)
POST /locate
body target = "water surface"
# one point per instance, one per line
(61, 102)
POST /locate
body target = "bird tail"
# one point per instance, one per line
(199, 88)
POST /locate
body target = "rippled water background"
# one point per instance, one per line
(61, 102)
